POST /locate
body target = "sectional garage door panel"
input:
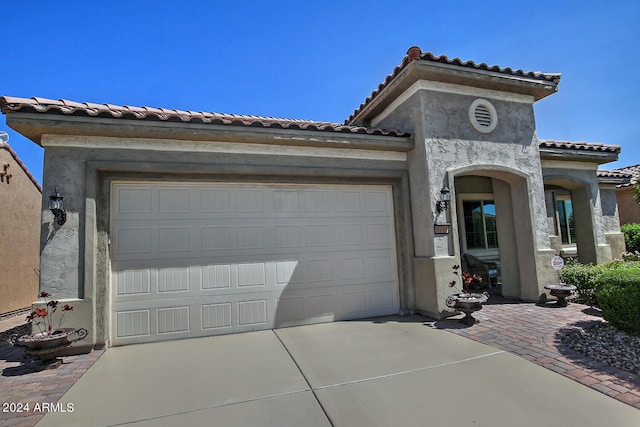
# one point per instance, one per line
(202, 259)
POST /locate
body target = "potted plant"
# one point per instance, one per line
(466, 300)
(51, 337)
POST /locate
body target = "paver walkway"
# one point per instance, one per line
(22, 382)
(532, 332)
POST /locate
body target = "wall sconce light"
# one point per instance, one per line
(57, 207)
(445, 198)
(441, 206)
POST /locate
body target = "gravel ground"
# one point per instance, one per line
(606, 344)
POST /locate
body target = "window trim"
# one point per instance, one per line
(467, 197)
(564, 198)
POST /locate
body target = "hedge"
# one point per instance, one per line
(583, 277)
(631, 236)
(617, 292)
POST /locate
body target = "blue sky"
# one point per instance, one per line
(318, 60)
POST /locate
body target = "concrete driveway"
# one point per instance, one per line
(383, 372)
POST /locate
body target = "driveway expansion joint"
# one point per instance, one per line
(293, 359)
(410, 371)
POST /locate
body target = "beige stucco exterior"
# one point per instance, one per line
(19, 233)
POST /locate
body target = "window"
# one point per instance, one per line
(564, 212)
(481, 231)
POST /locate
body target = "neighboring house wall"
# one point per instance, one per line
(20, 198)
(628, 208)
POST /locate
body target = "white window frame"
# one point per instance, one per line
(492, 253)
(563, 198)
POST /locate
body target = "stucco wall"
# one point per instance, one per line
(448, 146)
(19, 237)
(609, 206)
(75, 256)
(592, 224)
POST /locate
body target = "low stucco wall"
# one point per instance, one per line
(432, 277)
(616, 244)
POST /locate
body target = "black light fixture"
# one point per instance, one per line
(441, 206)
(445, 198)
(57, 207)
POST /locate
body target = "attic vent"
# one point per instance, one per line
(482, 116)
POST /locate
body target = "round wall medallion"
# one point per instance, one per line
(483, 116)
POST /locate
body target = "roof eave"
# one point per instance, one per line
(35, 125)
(580, 155)
(613, 181)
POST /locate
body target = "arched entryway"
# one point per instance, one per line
(570, 217)
(493, 221)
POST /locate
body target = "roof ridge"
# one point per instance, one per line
(628, 167)
(415, 53)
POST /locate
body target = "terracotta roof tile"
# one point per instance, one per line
(42, 105)
(585, 146)
(415, 53)
(604, 173)
(6, 146)
(633, 171)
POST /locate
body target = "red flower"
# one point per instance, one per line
(44, 294)
(67, 307)
(41, 312)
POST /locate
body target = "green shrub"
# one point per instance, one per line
(583, 276)
(618, 295)
(631, 236)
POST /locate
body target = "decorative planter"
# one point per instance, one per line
(562, 292)
(467, 303)
(45, 345)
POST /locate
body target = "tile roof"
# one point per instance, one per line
(5, 146)
(605, 173)
(633, 171)
(415, 52)
(584, 146)
(42, 105)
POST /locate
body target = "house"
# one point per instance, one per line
(21, 199)
(628, 207)
(185, 224)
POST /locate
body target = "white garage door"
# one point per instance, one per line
(193, 259)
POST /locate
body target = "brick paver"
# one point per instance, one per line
(23, 381)
(533, 332)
